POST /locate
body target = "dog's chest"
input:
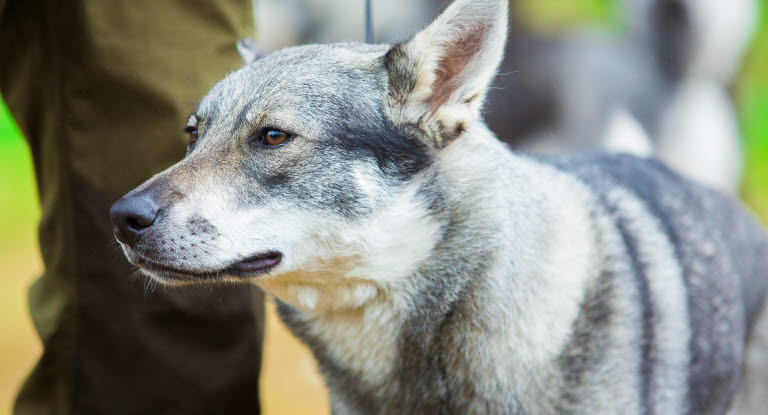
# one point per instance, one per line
(361, 342)
(384, 367)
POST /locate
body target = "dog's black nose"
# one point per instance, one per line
(132, 216)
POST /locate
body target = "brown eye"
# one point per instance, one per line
(272, 138)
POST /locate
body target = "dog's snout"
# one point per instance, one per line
(132, 216)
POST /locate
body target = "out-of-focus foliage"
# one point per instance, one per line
(752, 99)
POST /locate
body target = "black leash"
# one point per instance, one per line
(368, 22)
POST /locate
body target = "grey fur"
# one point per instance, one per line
(432, 270)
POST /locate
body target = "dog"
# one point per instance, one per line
(432, 270)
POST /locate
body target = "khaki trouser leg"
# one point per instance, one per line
(101, 90)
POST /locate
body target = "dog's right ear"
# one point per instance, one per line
(250, 51)
(439, 78)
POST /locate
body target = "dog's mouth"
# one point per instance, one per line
(250, 267)
(257, 264)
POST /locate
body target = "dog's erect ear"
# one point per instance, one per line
(250, 51)
(441, 75)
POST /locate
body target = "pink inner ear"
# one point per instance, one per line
(456, 56)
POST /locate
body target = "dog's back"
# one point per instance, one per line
(723, 258)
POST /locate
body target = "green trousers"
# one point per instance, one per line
(101, 90)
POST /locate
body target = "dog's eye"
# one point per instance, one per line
(192, 132)
(273, 138)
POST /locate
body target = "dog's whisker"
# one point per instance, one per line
(147, 281)
(209, 252)
(216, 247)
(136, 273)
(115, 246)
(231, 244)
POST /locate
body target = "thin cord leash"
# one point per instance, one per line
(368, 22)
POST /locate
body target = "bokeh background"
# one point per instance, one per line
(290, 381)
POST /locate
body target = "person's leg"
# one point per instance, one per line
(101, 90)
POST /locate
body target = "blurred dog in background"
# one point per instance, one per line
(660, 88)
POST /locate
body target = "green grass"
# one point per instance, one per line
(19, 209)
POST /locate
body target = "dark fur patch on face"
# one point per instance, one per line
(274, 180)
(399, 152)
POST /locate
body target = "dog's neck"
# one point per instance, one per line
(493, 247)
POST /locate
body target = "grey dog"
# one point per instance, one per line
(432, 270)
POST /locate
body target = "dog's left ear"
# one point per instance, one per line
(441, 75)
(250, 51)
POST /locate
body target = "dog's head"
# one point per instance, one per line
(303, 167)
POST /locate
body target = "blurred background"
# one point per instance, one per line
(290, 383)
